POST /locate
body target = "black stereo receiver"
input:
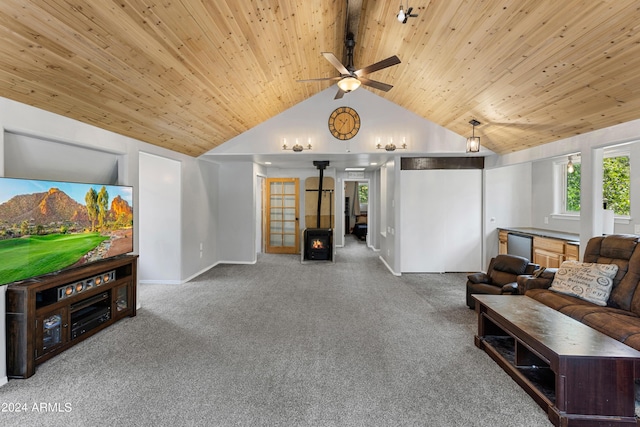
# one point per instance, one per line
(89, 318)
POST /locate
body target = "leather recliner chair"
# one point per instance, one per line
(500, 277)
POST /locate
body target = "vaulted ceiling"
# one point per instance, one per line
(189, 75)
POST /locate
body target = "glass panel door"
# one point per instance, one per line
(121, 301)
(51, 331)
(283, 232)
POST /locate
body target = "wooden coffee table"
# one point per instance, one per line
(578, 375)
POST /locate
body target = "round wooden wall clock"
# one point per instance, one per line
(344, 123)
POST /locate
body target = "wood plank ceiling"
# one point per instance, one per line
(189, 75)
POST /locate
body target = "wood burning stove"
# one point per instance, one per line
(318, 242)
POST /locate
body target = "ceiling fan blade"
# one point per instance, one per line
(319, 79)
(409, 15)
(375, 84)
(340, 94)
(392, 60)
(335, 62)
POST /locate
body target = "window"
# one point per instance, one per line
(363, 193)
(363, 196)
(572, 188)
(616, 184)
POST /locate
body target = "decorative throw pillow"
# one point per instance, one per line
(589, 281)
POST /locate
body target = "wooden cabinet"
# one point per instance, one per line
(503, 236)
(548, 252)
(571, 252)
(48, 314)
(552, 252)
(549, 248)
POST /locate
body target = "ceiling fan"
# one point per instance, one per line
(403, 16)
(350, 78)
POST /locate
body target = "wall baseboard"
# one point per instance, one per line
(389, 267)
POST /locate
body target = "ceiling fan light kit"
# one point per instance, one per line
(473, 142)
(348, 84)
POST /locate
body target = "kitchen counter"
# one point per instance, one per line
(570, 238)
(547, 248)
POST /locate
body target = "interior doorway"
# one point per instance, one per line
(355, 205)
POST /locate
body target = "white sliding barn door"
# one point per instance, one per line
(441, 220)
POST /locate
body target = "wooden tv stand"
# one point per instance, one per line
(48, 314)
(578, 375)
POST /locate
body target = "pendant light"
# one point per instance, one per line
(570, 168)
(473, 142)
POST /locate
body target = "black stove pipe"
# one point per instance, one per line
(321, 165)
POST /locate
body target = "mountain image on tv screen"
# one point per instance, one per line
(47, 226)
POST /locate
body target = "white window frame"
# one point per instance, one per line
(621, 151)
(560, 176)
(576, 160)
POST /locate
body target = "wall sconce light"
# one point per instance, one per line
(473, 142)
(570, 168)
(297, 147)
(391, 146)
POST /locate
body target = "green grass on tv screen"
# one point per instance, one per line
(36, 255)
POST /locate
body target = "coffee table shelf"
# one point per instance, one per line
(537, 373)
(578, 375)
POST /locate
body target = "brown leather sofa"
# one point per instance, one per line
(500, 277)
(620, 318)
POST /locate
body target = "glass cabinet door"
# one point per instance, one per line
(51, 331)
(122, 302)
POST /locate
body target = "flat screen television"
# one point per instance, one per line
(48, 226)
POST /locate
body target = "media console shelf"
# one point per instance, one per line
(48, 314)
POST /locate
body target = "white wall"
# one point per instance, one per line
(380, 119)
(36, 158)
(508, 199)
(236, 212)
(373, 219)
(160, 186)
(199, 202)
(441, 218)
(390, 228)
